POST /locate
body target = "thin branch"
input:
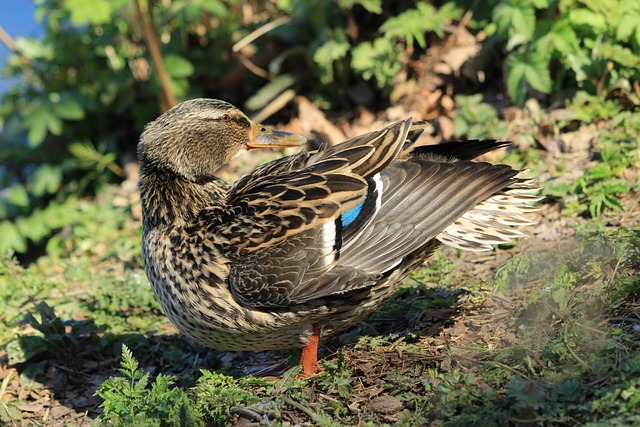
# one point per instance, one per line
(153, 43)
(259, 32)
(6, 39)
(253, 67)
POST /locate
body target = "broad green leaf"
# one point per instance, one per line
(523, 69)
(628, 24)
(541, 4)
(537, 73)
(563, 37)
(89, 12)
(331, 51)
(620, 54)
(413, 24)
(68, 109)
(37, 133)
(179, 87)
(595, 22)
(18, 196)
(36, 121)
(54, 124)
(516, 83)
(373, 6)
(178, 66)
(516, 22)
(328, 53)
(557, 190)
(215, 7)
(379, 60)
(11, 238)
(45, 180)
(30, 48)
(601, 170)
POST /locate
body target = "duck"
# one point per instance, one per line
(307, 245)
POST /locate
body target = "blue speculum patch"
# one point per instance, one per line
(350, 216)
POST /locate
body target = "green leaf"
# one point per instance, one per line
(30, 48)
(331, 51)
(523, 69)
(413, 24)
(563, 37)
(373, 6)
(93, 12)
(217, 8)
(516, 83)
(37, 122)
(328, 53)
(595, 22)
(516, 22)
(54, 124)
(45, 180)
(18, 196)
(68, 109)
(178, 66)
(179, 86)
(11, 240)
(379, 60)
(537, 73)
(601, 170)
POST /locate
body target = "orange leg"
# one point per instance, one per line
(309, 356)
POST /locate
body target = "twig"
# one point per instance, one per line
(153, 43)
(276, 105)
(570, 350)
(247, 413)
(6, 39)
(510, 369)
(289, 401)
(258, 33)
(253, 67)
(623, 319)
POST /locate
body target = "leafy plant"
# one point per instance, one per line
(60, 340)
(130, 401)
(567, 46)
(600, 186)
(476, 119)
(218, 396)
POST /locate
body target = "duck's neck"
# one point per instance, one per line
(169, 199)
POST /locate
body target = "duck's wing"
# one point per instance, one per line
(282, 225)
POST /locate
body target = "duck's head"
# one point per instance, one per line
(199, 136)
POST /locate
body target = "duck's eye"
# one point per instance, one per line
(225, 117)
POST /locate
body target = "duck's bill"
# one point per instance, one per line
(264, 137)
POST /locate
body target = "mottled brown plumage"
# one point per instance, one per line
(310, 242)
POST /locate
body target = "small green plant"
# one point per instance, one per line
(218, 396)
(128, 400)
(63, 341)
(476, 119)
(9, 402)
(601, 186)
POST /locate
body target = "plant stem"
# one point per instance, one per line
(168, 100)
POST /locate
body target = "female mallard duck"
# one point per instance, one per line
(309, 244)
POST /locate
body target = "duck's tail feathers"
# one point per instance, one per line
(492, 222)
